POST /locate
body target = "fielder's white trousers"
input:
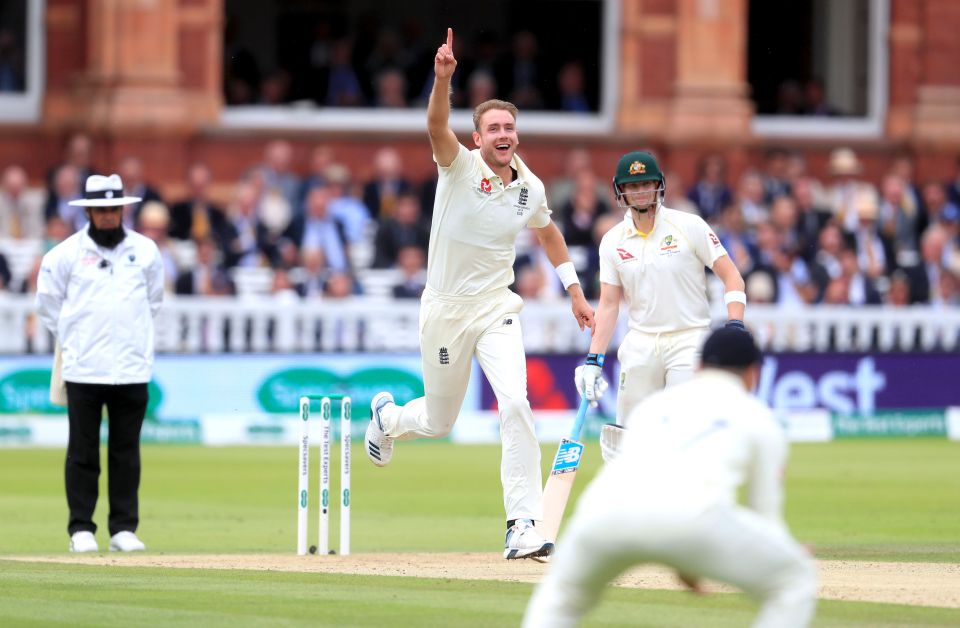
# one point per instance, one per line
(612, 531)
(452, 332)
(651, 362)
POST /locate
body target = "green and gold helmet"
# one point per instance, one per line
(636, 167)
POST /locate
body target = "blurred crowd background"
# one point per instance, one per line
(316, 230)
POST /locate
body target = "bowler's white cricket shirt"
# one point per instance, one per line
(661, 273)
(695, 443)
(476, 219)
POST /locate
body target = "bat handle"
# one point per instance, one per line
(581, 416)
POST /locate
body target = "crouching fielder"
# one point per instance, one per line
(655, 260)
(670, 498)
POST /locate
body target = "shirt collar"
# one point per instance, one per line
(516, 163)
(629, 230)
(87, 243)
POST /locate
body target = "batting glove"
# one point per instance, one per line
(736, 324)
(589, 379)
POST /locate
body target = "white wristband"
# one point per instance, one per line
(734, 296)
(567, 274)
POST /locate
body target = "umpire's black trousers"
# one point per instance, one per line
(126, 407)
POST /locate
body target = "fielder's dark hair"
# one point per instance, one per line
(730, 348)
(487, 105)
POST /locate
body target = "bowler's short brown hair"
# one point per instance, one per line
(487, 105)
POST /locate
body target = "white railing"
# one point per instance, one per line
(265, 324)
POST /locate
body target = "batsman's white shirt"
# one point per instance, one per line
(468, 311)
(661, 273)
(670, 498)
(476, 219)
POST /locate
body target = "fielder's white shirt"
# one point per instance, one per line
(662, 273)
(694, 444)
(476, 219)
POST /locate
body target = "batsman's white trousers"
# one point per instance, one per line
(612, 531)
(651, 362)
(452, 331)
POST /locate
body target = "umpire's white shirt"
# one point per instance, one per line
(692, 445)
(476, 219)
(100, 305)
(661, 272)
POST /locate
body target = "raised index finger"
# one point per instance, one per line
(450, 39)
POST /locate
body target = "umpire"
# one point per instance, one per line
(98, 292)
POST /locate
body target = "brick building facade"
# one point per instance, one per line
(145, 78)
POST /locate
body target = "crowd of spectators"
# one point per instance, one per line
(392, 67)
(314, 231)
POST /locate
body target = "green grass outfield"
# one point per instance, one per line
(893, 500)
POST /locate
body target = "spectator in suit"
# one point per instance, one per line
(21, 208)
(340, 286)
(861, 289)
(580, 211)
(711, 193)
(403, 230)
(900, 221)
(775, 174)
(812, 216)
(131, 171)
(576, 161)
(522, 74)
(207, 277)
(899, 294)
(78, 154)
(925, 275)
(937, 203)
(317, 229)
(739, 244)
(154, 222)
(750, 197)
(321, 158)
(66, 188)
(391, 88)
(197, 216)
(345, 207)
(388, 183)
(251, 246)
(412, 262)
(277, 173)
(314, 275)
(343, 87)
(872, 248)
(571, 86)
(481, 87)
(903, 167)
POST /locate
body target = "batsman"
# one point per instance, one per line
(655, 261)
(485, 196)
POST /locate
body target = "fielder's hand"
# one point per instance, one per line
(444, 63)
(590, 383)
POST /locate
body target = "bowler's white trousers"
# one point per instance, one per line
(652, 362)
(452, 331)
(613, 530)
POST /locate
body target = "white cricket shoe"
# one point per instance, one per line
(379, 446)
(83, 542)
(126, 541)
(523, 541)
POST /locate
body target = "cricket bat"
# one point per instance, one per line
(562, 474)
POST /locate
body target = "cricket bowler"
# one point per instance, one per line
(484, 198)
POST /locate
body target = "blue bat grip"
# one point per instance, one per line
(581, 416)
